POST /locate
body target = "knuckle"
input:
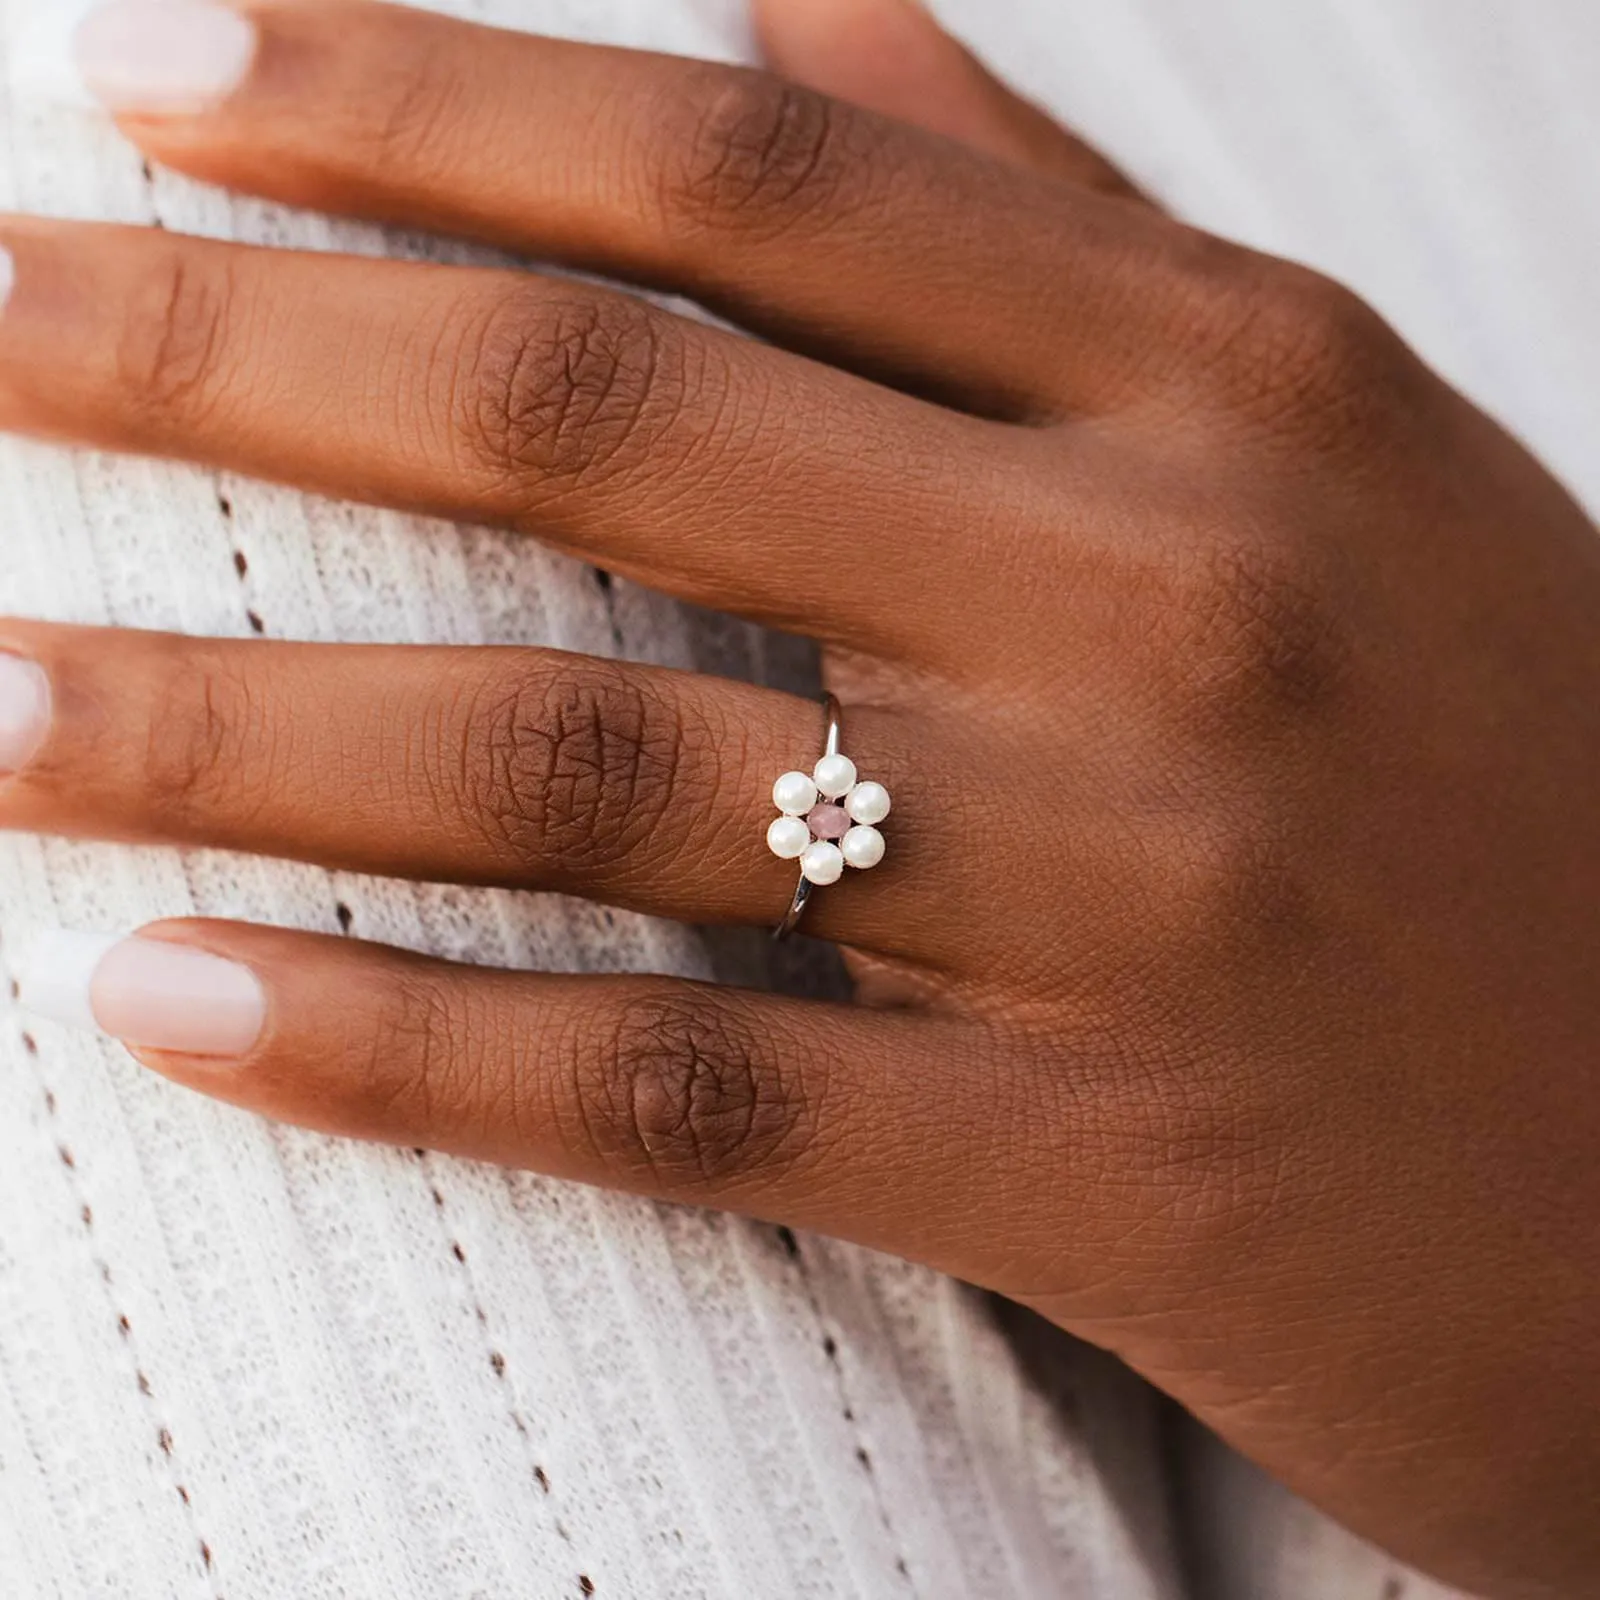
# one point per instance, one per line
(572, 770)
(1319, 335)
(559, 394)
(761, 155)
(1213, 1147)
(171, 351)
(1254, 670)
(1303, 349)
(428, 1060)
(687, 1091)
(1224, 876)
(1249, 633)
(202, 756)
(408, 105)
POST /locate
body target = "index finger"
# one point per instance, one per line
(877, 245)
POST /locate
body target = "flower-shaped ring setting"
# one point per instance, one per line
(828, 820)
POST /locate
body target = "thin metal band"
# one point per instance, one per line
(806, 888)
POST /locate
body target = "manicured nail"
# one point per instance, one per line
(163, 57)
(24, 711)
(145, 992)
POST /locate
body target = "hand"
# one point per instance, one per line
(1230, 992)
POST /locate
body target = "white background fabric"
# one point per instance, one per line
(236, 1360)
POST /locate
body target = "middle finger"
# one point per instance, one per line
(729, 474)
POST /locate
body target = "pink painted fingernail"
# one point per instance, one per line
(163, 57)
(145, 992)
(24, 712)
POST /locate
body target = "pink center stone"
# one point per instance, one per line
(828, 821)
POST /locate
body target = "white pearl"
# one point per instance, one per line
(868, 802)
(835, 775)
(862, 847)
(788, 838)
(794, 794)
(823, 863)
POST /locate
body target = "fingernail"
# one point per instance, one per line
(145, 992)
(24, 709)
(163, 57)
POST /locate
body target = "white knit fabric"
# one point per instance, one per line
(237, 1360)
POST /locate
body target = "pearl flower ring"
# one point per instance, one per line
(828, 820)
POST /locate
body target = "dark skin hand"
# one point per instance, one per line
(1231, 991)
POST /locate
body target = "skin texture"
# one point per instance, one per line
(1242, 1019)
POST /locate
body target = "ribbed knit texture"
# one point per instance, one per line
(238, 1360)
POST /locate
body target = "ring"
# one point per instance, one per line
(828, 820)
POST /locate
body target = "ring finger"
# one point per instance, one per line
(641, 787)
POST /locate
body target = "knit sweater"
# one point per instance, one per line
(240, 1360)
